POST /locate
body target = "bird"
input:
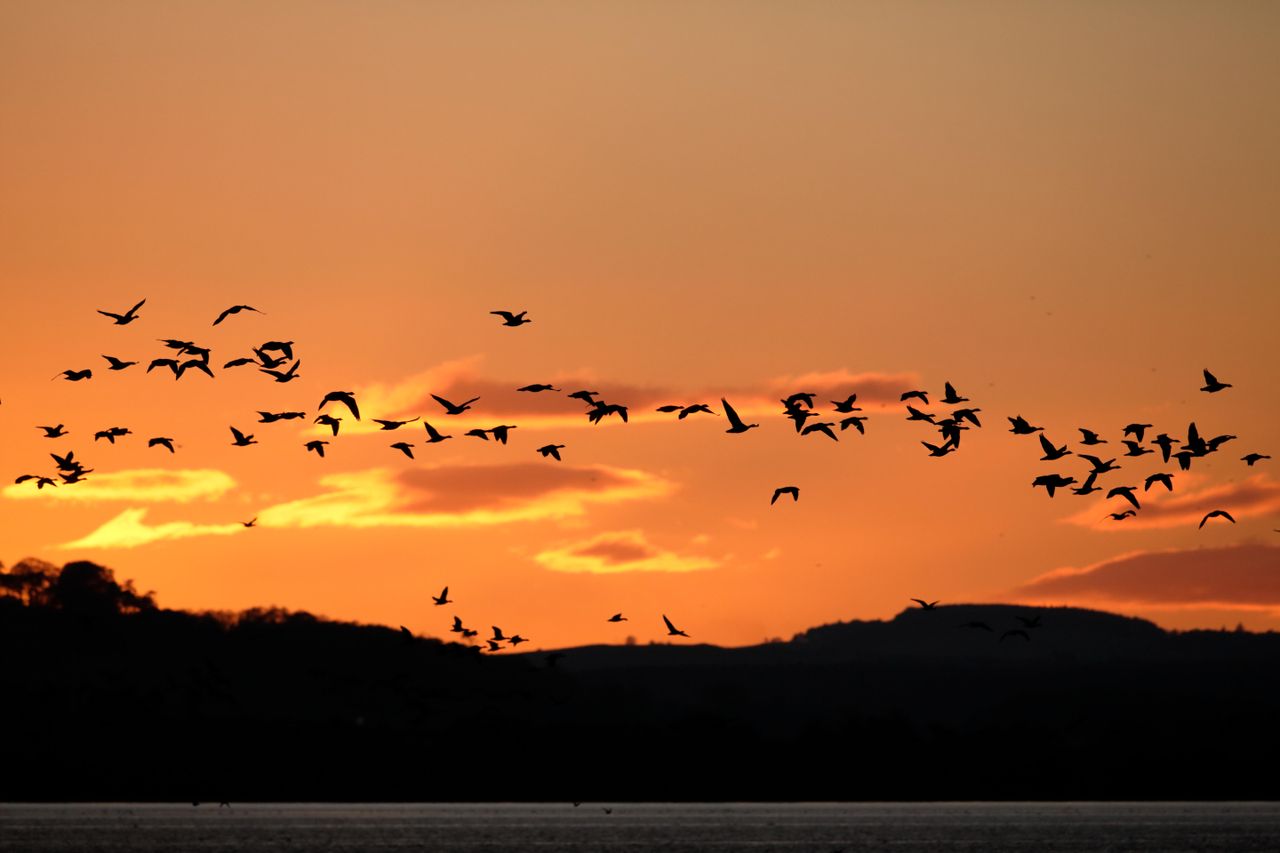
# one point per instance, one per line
(127, 317)
(404, 447)
(1052, 482)
(112, 433)
(241, 440)
(823, 428)
(497, 634)
(389, 425)
(316, 446)
(161, 441)
(454, 408)
(584, 396)
(1022, 427)
(1088, 488)
(494, 645)
(1136, 449)
(516, 640)
(936, 450)
(735, 423)
(478, 433)
(164, 362)
(1050, 452)
(118, 364)
(235, 309)
(1166, 479)
(846, 406)
(1165, 443)
(926, 605)
(794, 491)
(693, 410)
(855, 421)
(272, 417)
(468, 633)
(672, 630)
(1217, 513)
(1125, 492)
(346, 398)
(1121, 516)
(970, 415)
(329, 421)
(1015, 632)
(285, 375)
(41, 482)
(457, 625)
(442, 598)
(552, 450)
(617, 617)
(253, 522)
(240, 362)
(267, 361)
(536, 388)
(500, 432)
(922, 396)
(601, 410)
(1254, 457)
(1090, 437)
(76, 375)
(66, 463)
(1137, 431)
(951, 397)
(509, 319)
(914, 414)
(174, 343)
(1211, 383)
(433, 435)
(1100, 467)
(285, 348)
(58, 431)
(794, 400)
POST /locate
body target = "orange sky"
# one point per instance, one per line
(1066, 210)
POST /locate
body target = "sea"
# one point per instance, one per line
(668, 827)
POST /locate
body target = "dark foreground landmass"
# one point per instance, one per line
(107, 697)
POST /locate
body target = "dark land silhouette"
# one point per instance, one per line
(108, 697)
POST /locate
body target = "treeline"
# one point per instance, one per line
(107, 696)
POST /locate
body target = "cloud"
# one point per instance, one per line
(1258, 494)
(1236, 576)
(139, 485)
(621, 551)
(127, 530)
(463, 379)
(464, 495)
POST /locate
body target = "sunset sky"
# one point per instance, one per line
(1066, 210)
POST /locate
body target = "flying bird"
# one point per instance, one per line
(1211, 383)
(509, 319)
(1121, 516)
(41, 482)
(1029, 621)
(442, 598)
(855, 421)
(1052, 453)
(552, 450)
(1090, 437)
(239, 362)
(389, 425)
(161, 441)
(127, 317)
(1125, 492)
(404, 447)
(454, 408)
(272, 417)
(346, 398)
(285, 348)
(1217, 513)
(1166, 479)
(253, 522)
(118, 364)
(76, 375)
(59, 432)
(235, 309)
(285, 375)
(316, 446)
(241, 440)
(926, 605)
(936, 450)
(970, 415)
(824, 428)
(497, 634)
(1100, 467)
(536, 388)
(433, 435)
(1089, 488)
(672, 630)
(1137, 431)
(914, 414)
(846, 405)
(500, 432)
(617, 617)
(1052, 482)
(922, 396)
(951, 397)
(1165, 443)
(735, 423)
(584, 396)
(516, 640)
(329, 421)
(794, 491)
(1022, 427)
(1136, 449)
(1254, 457)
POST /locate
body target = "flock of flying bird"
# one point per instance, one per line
(276, 359)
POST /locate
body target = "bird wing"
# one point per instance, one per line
(1209, 378)
(135, 308)
(1049, 449)
(731, 415)
(222, 316)
(670, 627)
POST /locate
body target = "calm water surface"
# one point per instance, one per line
(824, 827)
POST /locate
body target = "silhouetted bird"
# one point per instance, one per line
(1100, 467)
(1254, 457)
(316, 446)
(794, 491)
(285, 348)
(241, 440)
(161, 441)
(1016, 632)
(235, 309)
(1022, 427)
(970, 415)
(552, 450)
(111, 434)
(516, 640)
(497, 634)
(735, 423)
(855, 421)
(68, 462)
(457, 625)
(537, 388)
(117, 364)
(239, 362)
(59, 432)
(509, 319)
(584, 396)
(922, 396)
(794, 400)
(602, 410)
(1090, 437)
(926, 605)
(1135, 449)
(693, 410)
(1125, 492)
(1137, 431)
(951, 397)
(824, 428)
(286, 375)
(1217, 513)
(914, 414)
(404, 447)
(494, 645)
(127, 317)
(672, 630)
(454, 408)
(1212, 385)
(1052, 453)
(174, 343)
(76, 375)
(478, 433)
(846, 405)
(346, 398)
(617, 617)
(329, 421)
(1052, 482)
(253, 522)
(272, 417)
(1165, 443)
(936, 450)
(1088, 488)
(1166, 479)
(389, 425)
(267, 361)
(41, 482)
(1121, 516)
(500, 432)
(442, 598)
(433, 436)
(163, 362)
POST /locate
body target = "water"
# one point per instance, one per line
(818, 827)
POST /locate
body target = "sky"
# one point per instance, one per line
(1068, 211)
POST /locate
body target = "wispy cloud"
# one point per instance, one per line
(129, 530)
(620, 551)
(1237, 576)
(1258, 494)
(138, 485)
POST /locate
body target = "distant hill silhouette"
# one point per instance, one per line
(107, 696)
